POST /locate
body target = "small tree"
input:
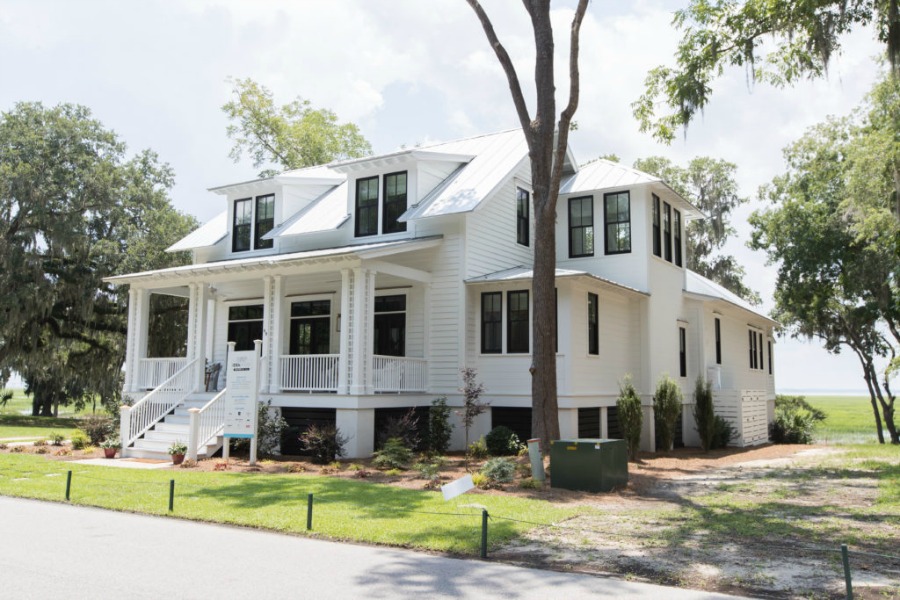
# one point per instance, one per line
(439, 426)
(704, 414)
(631, 416)
(472, 404)
(666, 409)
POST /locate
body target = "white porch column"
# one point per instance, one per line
(265, 373)
(359, 325)
(345, 322)
(359, 427)
(130, 376)
(138, 333)
(196, 342)
(276, 328)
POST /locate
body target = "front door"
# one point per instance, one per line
(310, 327)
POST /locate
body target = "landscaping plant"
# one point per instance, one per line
(324, 443)
(704, 414)
(439, 426)
(393, 455)
(472, 404)
(406, 428)
(477, 449)
(502, 441)
(795, 420)
(499, 470)
(270, 426)
(97, 427)
(80, 440)
(631, 416)
(667, 403)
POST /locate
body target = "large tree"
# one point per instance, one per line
(291, 136)
(778, 42)
(547, 135)
(73, 210)
(709, 184)
(833, 235)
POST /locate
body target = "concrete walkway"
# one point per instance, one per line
(121, 555)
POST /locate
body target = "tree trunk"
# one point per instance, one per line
(872, 397)
(544, 407)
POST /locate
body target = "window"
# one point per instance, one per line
(760, 346)
(657, 242)
(265, 220)
(517, 322)
(310, 329)
(245, 324)
(718, 341)
(667, 230)
(394, 202)
(593, 324)
(366, 206)
(492, 323)
(390, 325)
(677, 226)
(755, 350)
(682, 351)
(243, 225)
(617, 218)
(581, 226)
(769, 344)
(522, 223)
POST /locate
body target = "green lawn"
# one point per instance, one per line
(849, 421)
(343, 509)
(16, 420)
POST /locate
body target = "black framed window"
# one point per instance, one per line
(593, 324)
(769, 344)
(718, 341)
(657, 233)
(390, 325)
(752, 335)
(523, 235)
(366, 206)
(517, 322)
(676, 225)
(264, 221)
(310, 328)
(492, 323)
(617, 221)
(581, 226)
(241, 232)
(759, 342)
(667, 231)
(245, 324)
(394, 202)
(682, 351)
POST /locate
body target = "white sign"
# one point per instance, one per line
(241, 394)
(458, 487)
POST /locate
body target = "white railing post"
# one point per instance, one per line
(124, 427)
(193, 432)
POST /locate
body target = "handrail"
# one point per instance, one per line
(205, 424)
(149, 410)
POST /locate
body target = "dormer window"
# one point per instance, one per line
(252, 220)
(617, 218)
(393, 204)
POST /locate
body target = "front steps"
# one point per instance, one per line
(173, 428)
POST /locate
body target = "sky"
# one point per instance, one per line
(408, 72)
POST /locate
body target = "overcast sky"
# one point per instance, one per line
(407, 72)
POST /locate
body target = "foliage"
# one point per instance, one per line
(710, 185)
(502, 441)
(833, 230)
(324, 443)
(97, 427)
(57, 439)
(795, 403)
(291, 136)
(430, 471)
(795, 420)
(478, 449)
(439, 426)
(406, 428)
(723, 433)
(631, 416)
(472, 405)
(270, 426)
(499, 470)
(531, 484)
(480, 480)
(393, 455)
(667, 402)
(704, 413)
(111, 442)
(177, 447)
(800, 38)
(80, 440)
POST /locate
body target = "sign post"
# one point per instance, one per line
(242, 395)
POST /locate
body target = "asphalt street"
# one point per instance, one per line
(50, 550)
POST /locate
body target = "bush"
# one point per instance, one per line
(439, 426)
(394, 455)
(97, 427)
(429, 471)
(478, 449)
(324, 443)
(795, 420)
(269, 429)
(704, 414)
(57, 439)
(406, 428)
(480, 480)
(723, 432)
(799, 403)
(531, 484)
(631, 416)
(80, 440)
(499, 470)
(667, 403)
(502, 441)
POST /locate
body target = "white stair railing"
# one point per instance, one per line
(149, 410)
(398, 373)
(205, 424)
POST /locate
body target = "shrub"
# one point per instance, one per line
(439, 426)
(499, 470)
(394, 455)
(97, 427)
(531, 484)
(429, 471)
(502, 441)
(3, 446)
(188, 463)
(723, 432)
(57, 439)
(406, 428)
(792, 426)
(41, 450)
(799, 403)
(80, 440)
(324, 443)
(17, 449)
(269, 428)
(40, 443)
(480, 480)
(667, 403)
(704, 414)
(393, 472)
(478, 449)
(631, 416)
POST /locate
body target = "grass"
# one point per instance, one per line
(343, 509)
(849, 419)
(16, 420)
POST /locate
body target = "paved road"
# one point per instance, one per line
(52, 550)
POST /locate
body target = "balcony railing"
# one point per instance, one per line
(309, 373)
(398, 373)
(153, 371)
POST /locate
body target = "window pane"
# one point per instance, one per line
(593, 325)
(394, 202)
(240, 235)
(265, 220)
(491, 322)
(390, 303)
(618, 222)
(581, 226)
(517, 322)
(367, 206)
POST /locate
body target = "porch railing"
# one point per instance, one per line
(153, 371)
(398, 373)
(310, 373)
(206, 424)
(149, 410)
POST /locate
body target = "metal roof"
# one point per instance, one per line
(697, 284)
(603, 174)
(327, 212)
(208, 234)
(522, 273)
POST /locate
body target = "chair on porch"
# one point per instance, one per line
(211, 382)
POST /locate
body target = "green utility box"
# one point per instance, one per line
(588, 465)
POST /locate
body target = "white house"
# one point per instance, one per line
(372, 282)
